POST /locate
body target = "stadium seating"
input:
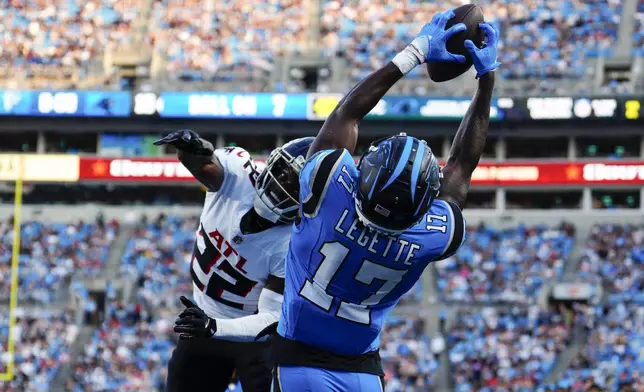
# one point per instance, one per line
(154, 256)
(212, 41)
(505, 265)
(638, 33)
(409, 363)
(612, 359)
(51, 253)
(504, 349)
(53, 38)
(129, 352)
(158, 255)
(42, 338)
(614, 256)
(539, 38)
(490, 348)
(206, 42)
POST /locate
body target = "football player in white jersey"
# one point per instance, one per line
(237, 266)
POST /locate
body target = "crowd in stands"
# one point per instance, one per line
(131, 349)
(505, 349)
(613, 357)
(217, 40)
(511, 347)
(42, 341)
(614, 256)
(158, 256)
(211, 40)
(47, 39)
(128, 352)
(638, 32)
(507, 265)
(50, 253)
(538, 38)
(409, 358)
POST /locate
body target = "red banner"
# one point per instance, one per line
(133, 169)
(487, 174)
(559, 173)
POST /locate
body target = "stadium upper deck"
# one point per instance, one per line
(214, 41)
(540, 38)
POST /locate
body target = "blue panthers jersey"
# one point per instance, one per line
(343, 279)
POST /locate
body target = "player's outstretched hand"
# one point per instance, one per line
(187, 141)
(194, 322)
(485, 58)
(431, 42)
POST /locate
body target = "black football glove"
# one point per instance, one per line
(194, 322)
(268, 331)
(187, 141)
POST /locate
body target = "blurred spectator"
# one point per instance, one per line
(613, 358)
(50, 253)
(538, 38)
(505, 349)
(638, 32)
(42, 345)
(50, 40)
(213, 40)
(505, 265)
(614, 257)
(129, 352)
(158, 255)
(409, 363)
(45, 42)
(414, 295)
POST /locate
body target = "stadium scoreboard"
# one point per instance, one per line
(313, 106)
(66, 103)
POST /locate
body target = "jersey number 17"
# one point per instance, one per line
(334, 255)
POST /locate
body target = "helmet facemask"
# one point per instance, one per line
(278, 186)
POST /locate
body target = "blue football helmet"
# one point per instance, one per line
(278, 186)
(399, 179)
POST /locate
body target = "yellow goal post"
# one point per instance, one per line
(15, 254)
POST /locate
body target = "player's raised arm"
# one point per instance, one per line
(469, 141)
(197, 155)
(340, 130)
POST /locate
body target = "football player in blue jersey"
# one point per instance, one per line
(367, 231)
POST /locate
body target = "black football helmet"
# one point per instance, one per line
(399, 179)
(278, 186)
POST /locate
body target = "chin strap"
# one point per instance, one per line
(264, 211)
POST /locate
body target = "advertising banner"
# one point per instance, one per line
(39, 167)
(486, 174)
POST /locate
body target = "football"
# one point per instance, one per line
(471, 15)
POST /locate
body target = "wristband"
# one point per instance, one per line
(407, 59)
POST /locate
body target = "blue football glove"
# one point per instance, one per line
(432, 40)
(187, 141)
(485, 58)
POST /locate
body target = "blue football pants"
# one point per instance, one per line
(308, 379)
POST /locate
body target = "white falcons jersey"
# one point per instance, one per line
(228, 268)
